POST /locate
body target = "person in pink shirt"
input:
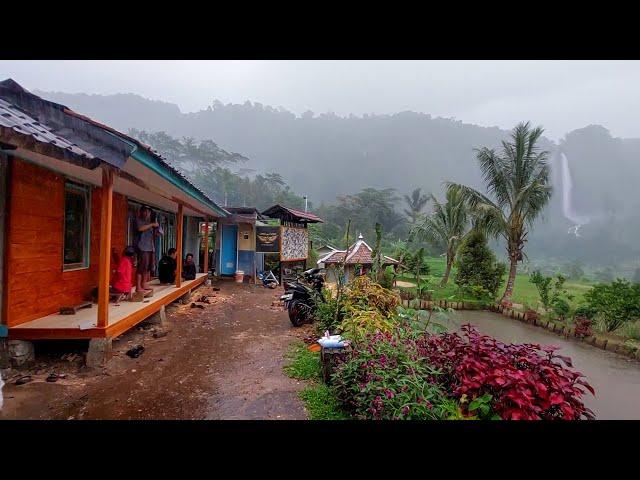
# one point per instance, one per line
(122, 278)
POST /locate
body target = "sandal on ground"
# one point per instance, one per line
(24, 379)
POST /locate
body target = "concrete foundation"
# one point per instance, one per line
(159, 318)
(21, 353)
(99, 352)
(186, 298)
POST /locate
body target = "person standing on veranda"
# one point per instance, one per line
(146, 248)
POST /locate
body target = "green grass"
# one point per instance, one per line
(321, 403)
(524, 291)
(302, 364)
(318, 399)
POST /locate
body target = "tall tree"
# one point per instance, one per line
(415, 203)
(446, 226)
(517, 177)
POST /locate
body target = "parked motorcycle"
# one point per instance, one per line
(302, 295)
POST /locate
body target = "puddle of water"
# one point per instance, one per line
(616, 379)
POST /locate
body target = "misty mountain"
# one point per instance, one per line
(324, 156)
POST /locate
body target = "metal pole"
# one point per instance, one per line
(305, 204)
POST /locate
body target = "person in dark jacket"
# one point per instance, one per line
(167, 267)
(189, 268)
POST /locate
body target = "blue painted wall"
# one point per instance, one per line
(245, 261)
(229, 248)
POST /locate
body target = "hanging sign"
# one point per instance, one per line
(267, 239)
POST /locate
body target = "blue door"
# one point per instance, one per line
(229, 250)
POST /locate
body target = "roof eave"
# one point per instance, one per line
(17, 140)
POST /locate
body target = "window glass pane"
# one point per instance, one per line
(75, 226)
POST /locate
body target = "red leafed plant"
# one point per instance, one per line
(583, 327)
(525, 381)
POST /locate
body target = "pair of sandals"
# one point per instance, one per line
(53, 377)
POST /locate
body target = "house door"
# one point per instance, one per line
(229, 250)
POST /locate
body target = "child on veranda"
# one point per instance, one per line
(121, 284)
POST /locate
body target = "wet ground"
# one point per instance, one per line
(616, 379)
(220, 362)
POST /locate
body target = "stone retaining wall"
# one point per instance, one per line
(597, 340)
(429, 304)
(615, 345)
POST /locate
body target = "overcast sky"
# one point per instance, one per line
(560, 95)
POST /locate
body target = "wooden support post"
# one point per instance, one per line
(106, 214)
(179, 223)
(206, 248)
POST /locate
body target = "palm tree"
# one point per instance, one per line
(446, 226)
(416, 203)
(518, 179)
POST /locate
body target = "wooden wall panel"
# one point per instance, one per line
(37, 285)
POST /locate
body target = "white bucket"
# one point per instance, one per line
(239, 276)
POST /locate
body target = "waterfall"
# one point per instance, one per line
(567, 206)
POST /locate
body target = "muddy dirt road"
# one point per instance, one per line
(220, 362)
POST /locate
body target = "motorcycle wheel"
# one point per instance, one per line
(296, 314)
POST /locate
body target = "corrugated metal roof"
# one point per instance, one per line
(17, 120)
(101, 145)
(277, 211)
(19, 129)
(56, 130)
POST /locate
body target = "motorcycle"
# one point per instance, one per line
(301, 297)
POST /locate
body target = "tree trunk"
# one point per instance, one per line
(445, 279)
(511, 280)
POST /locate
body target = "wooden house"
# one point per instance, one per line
(69, 191)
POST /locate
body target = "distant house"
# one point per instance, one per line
(235, 247)
(323, 251)
(359, 260)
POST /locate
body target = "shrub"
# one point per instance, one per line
(364, 294)
(479, 293)
(383, 378)
(385, 279)
(358, 323)
(525, 381)
(560, 307)
(416, 263)
(477, 265)
(367, 307)
(543, 285)
(325, 318)
(584, 311)
(614, 303)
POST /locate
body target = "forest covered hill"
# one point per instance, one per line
(326, 156)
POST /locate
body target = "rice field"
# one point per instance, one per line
(524, 291)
